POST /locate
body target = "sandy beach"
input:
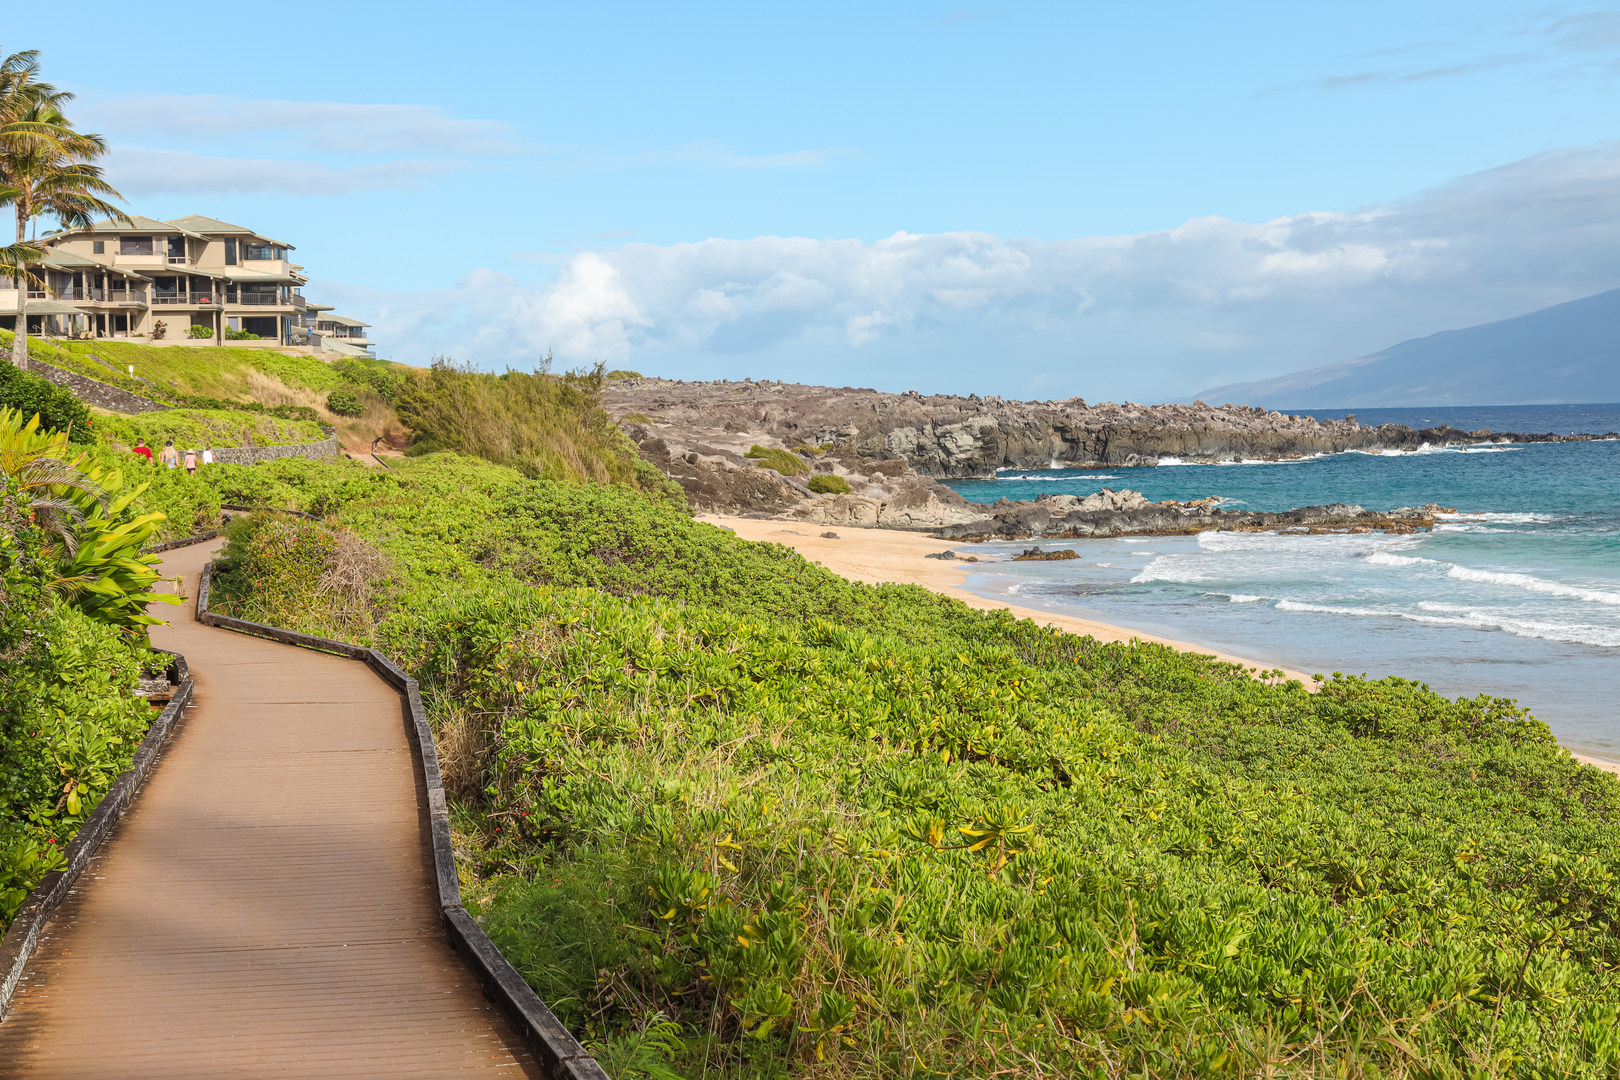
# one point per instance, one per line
(875, 556)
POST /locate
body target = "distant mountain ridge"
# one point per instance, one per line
(1565, 354)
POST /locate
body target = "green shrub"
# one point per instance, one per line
(833, 829)
(234, 334)
(635, 418)
(55, 406)
(828, 484)
(542, 425)
(619, 373)
(379, 376)
(69, 719)
(778, 460)
(344, 402)
(198, 332)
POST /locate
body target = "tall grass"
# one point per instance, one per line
(544, 426)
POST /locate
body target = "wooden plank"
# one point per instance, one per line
(267, 907)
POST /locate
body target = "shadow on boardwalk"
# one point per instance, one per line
(268, 906)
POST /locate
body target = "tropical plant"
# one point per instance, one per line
(46, 167)
(198, 332)
(95, 541)
(235, 334)
(69, 720)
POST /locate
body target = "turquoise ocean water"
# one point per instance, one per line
(1517, 595)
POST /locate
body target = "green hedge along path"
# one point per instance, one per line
(268, 905)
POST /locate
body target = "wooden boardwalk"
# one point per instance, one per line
(267, 908)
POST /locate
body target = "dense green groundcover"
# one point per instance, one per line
(70, 720)
(735, 816)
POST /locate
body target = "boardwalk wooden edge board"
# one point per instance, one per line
(185, 541)
(23, 937)
(559, 1053)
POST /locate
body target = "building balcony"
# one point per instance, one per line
(186, 299)
(102, 296)
(257, 300)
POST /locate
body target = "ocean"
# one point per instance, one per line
(1515, 595)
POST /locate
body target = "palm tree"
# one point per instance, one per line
(46, 167)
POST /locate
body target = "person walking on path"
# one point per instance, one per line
(208, 455)
(142, 449)
(169, 457)
(191, 462)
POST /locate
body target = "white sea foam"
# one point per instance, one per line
(1534, 584)
(1175, 569)
(1452, 527)
(1474, 619)
(1498, 519)
(1242, 598)
(1386, 558)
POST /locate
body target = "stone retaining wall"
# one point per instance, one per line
(252, 455)
(95, 393)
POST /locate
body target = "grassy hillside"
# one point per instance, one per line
(207, 427)
(735, 816)
(210, 377)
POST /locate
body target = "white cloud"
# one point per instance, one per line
(139, 171)
(1174, 310)
(336, 126)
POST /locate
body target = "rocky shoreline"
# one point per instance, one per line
(944, 436)
(753, 449)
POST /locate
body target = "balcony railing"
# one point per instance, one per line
(208, 299)
(299, 302)
(260, 300)
(103, 296)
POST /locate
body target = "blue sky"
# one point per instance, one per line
(1113, 200)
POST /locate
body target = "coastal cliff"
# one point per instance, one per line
(756, 449)
(945, 436)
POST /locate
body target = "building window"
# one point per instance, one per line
(251, 252)
(230, 251)
(134, 245)
(177, 249)
(98, 247)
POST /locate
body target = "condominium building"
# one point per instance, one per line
(138, 277)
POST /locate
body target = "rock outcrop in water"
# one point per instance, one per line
(1129, 513)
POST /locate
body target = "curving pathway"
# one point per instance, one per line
(267, 907)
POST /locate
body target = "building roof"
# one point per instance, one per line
(214, 227)
(66, 260)
(338, 345)
(251, 277)
(318, 307)
(343, 320)
(181, 270)
(53, 307)
(131, 223)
